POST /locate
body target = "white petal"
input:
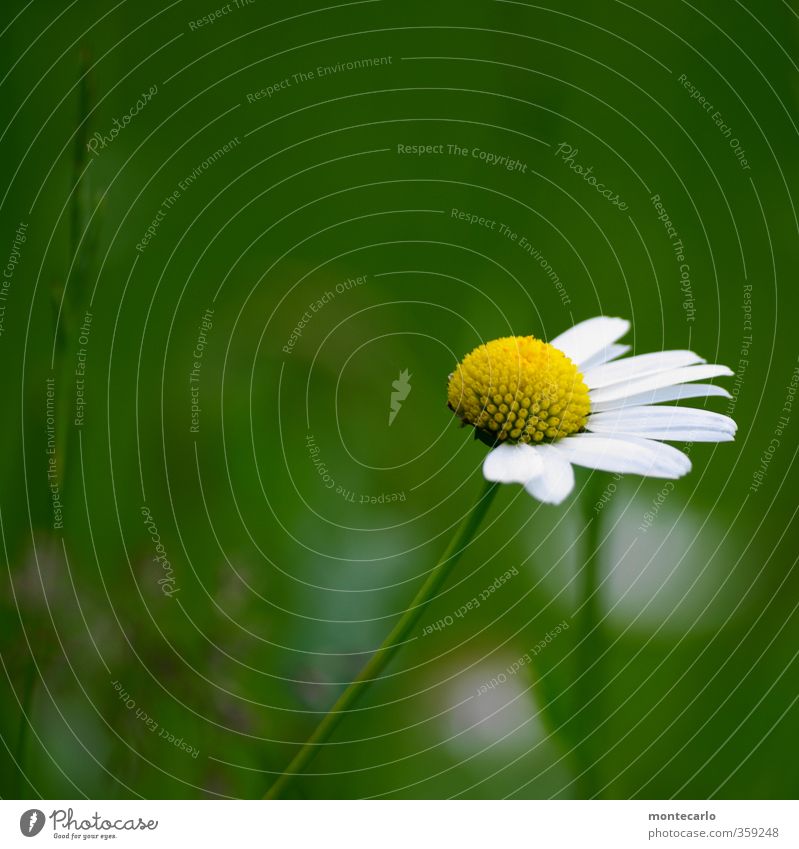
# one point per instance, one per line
(512, 463)
(630, 419)
(587, 338)
(608, 353)
(639, 366)
(556, 479)
(671, 434)
(658, 396)
(656, 381)
(624, 454)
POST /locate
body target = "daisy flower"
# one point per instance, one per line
(546, 406)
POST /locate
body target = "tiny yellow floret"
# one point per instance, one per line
(519, 389)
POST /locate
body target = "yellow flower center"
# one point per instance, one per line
(519, 389)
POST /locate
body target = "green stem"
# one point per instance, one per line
(391, 644)
(589, 651)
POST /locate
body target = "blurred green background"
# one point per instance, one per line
(297, 523)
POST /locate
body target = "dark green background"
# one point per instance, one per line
(285, 585)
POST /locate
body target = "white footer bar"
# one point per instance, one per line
(402, 824)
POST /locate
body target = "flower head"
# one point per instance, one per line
(545, 406)
(519, 389)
